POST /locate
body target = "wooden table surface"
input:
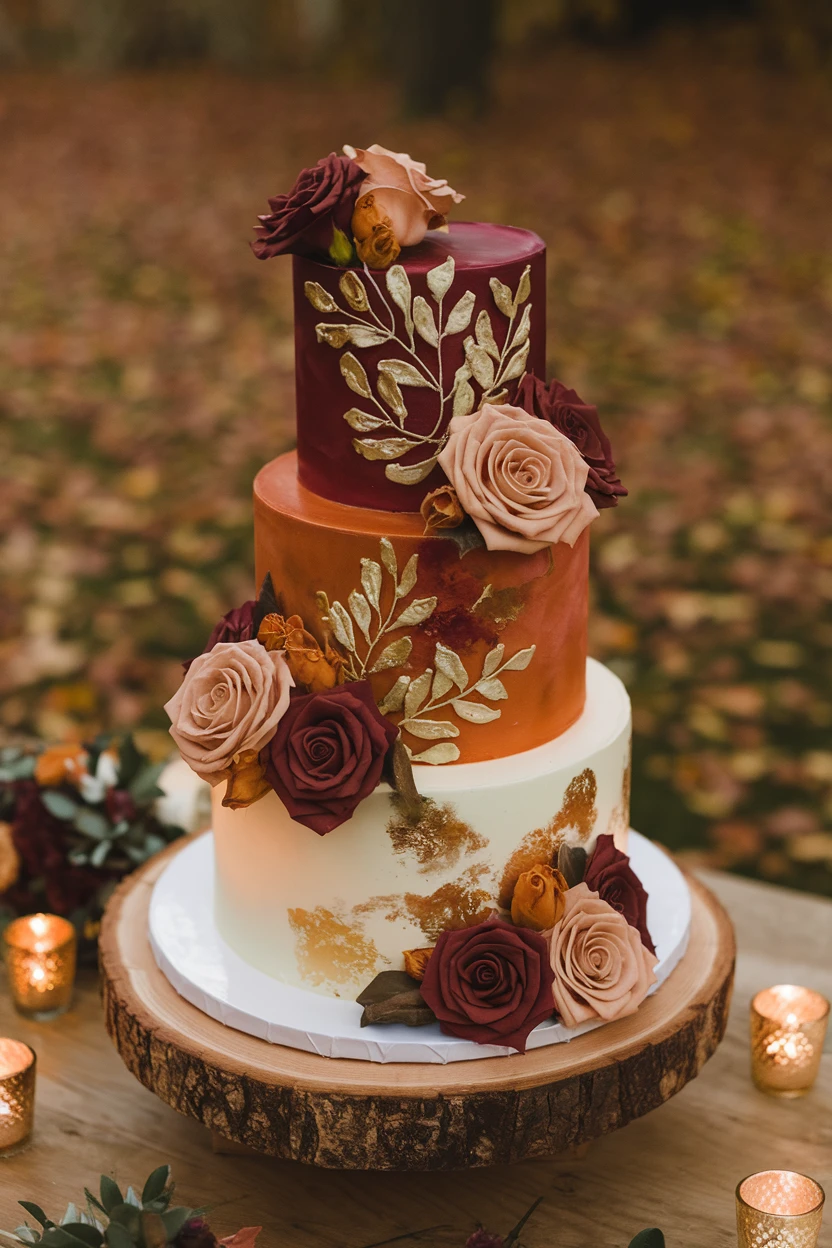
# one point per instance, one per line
(676, 1168)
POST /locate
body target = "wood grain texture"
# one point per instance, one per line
(353, 1115)
(676, 1167)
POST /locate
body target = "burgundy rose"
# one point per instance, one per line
(579, 422)
(120, 805)
(302, 222)
(39, 838)
(491, 983)
(196, 1233)
(484, 1239)
(235, 625)
(327, 754)
(610, 875)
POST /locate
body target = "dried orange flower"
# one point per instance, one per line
(9, 858)
(306, 661)
(380, 249)
(247, 782)
(538, 899)
(416, 961)
(441, 509)
(61, 764)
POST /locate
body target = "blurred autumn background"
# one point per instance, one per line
(676, 158)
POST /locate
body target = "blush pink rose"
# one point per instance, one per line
(601, 968)
(231, 699)
(519, 479)
(403, 192)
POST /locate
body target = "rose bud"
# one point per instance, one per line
(538, 899)
(441, 509)
(380, 250)
(416, 961)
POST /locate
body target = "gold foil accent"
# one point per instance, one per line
(462, 902)
(619, 823)
(401, 318)
(437, 840)
(577, 814)
(329, 950)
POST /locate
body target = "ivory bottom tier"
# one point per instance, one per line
(326, 914)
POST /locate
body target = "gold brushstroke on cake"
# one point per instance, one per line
(437, 840)
(577, 814)
(462, 902)
(619, 822)
(330, 950)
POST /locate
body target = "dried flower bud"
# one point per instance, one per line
(9, 858)
(247, 782)
(538, 899)
(441, 509)
(380, 250)
(415, 962)
(61, 764)
(366, 216)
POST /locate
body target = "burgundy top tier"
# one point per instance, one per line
(384, 359)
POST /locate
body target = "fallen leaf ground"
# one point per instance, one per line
(146, 374)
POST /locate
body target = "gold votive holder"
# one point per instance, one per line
(17, 1094)
(39, 952)
(788, 1028)
(779, 1209)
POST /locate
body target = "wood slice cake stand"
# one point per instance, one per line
(357, 1115)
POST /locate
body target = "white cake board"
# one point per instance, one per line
(207, 973)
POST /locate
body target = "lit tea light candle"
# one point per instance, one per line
(779, 1208)
(17, 1093)
(40, 960)
(788, 1027)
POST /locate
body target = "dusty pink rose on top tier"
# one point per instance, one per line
(519, 479)
(602, 970)
(403, 192)
(231, 700)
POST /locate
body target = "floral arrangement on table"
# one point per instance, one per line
(127, 1220)
(74, 819)
(574, 946)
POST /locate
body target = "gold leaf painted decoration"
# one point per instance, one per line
(355, 376)
(441, 279)
(475, 712)
(321, 300)
(446, 752)
(380, 448)
(410, 474)
(393, 701)
(354, 291)
(362, 422)
(449, 663)
(371, 610)
(429, 729)
(377, 315)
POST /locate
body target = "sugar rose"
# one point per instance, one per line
(610, 875)
(328, 754)
(491, 983)
(303, 222)
(441, 509)
(538, 898)
(410, 202)
(521, 481)
(601, 968)
(579, 422)
(231, 700)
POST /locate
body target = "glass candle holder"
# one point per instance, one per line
(17, 1094)
(40, 960)
(788, 1027)
(779, 1209)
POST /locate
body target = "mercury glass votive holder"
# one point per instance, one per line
(17, 1094)
(779, 1209)
(39, 952)
(788, 1027)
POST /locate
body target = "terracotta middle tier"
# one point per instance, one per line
(476, 654)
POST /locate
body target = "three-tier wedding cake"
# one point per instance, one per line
(421, 784)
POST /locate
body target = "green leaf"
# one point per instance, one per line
(58, 804)
(130, 760)
(156, 1184)
(118, 1237)
(175, 1219)
(144, 787)
(514, 1234)
(341, 250)
(99, 855)
(652, 1237)
(92, 823)
(73, 1235)
(35, 1210)
(94, 1201)
(110, 1193)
